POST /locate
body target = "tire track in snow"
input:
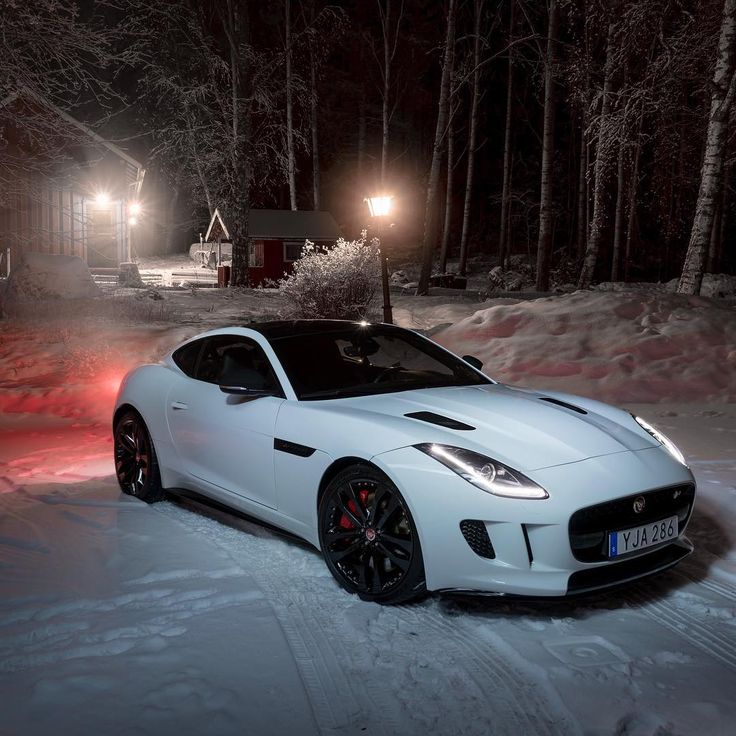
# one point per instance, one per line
(715, 644)
(494, 673)
(332, 698)
(313, 623)
(719, 588)
(334, 701)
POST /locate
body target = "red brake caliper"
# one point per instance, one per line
(345, 521)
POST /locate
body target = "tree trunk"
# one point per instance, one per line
(725, 188)
(473, 134)
(361, 134)
(313, 122)
(618, 227)
(386, 90)
(289, 110)
(633, 189)
(198, 166)
(544, 242)
(723, 89)
(503, 234)
(172, 229)
(235, 21)
(448, 194)
(582, 224)
(430, 235)
(602, 161)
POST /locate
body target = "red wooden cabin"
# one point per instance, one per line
(277, 238)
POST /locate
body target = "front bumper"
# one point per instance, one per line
(530, 538)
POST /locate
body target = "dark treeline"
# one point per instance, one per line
(595, 136)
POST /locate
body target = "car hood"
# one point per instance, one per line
(516, 426)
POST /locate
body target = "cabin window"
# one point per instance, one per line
(293, 250)
(255, 254)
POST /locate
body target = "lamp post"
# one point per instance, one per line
(380, 209)
(134, 210)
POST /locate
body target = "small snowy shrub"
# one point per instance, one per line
(333, 283)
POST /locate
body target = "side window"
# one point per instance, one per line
(231, 360)
(186, 357)
(255, 254)
(293, 250)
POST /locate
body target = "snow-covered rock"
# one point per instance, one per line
(500, 280)
(399, 278)
(718, 285)
(47, 276)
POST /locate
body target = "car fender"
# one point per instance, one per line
(145, 389)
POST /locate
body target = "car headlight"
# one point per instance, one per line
(663, 440)
(489, 475)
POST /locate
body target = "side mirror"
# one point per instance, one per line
(250, 393)
(475, 362)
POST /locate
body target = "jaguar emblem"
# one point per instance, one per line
(639, 504)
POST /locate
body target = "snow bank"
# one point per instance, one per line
(618, 347)
(57, 390)
(46, 276)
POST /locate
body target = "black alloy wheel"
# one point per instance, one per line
(136, 465)
(368, 537)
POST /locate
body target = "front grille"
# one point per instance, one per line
(589, 527)
(476, 535)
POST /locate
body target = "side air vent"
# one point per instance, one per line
(476, 535)
(563, 404)
(432, 418)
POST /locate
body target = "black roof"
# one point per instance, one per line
(290, 328)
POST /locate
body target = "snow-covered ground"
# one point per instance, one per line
(122, 618)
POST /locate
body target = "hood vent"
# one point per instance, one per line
(563, 404)
(432, 418)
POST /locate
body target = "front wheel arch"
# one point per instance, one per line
(388, 528)
(122, 409)
(336, 467)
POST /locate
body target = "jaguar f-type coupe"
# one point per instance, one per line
(408, 467)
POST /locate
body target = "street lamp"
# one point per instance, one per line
(102, 199)
(380, 207)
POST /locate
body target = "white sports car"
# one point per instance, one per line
(410, 469)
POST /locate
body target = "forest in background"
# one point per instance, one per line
(594, 136)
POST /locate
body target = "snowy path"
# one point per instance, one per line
(119, 618)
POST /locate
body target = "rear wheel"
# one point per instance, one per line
(136, 465)
(368, 537)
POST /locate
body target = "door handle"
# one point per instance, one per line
(179, 405)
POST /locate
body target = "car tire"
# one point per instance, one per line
(368, 537)
(136, 464)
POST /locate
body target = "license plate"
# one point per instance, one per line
(640, 537)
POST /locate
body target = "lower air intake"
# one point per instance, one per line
(476, 535)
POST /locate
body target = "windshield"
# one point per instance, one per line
(360, 360)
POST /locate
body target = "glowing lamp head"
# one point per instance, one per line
(380, 206)
(132, 221)
(134, 208)
(102, 199)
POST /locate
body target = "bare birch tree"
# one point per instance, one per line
(472, 136)
(447, 225)
(602, 159)
(291, 158)
(721, 101)
(390, 27)
(313, 116)
(430, 235)
(507, 153)
(546, 215)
